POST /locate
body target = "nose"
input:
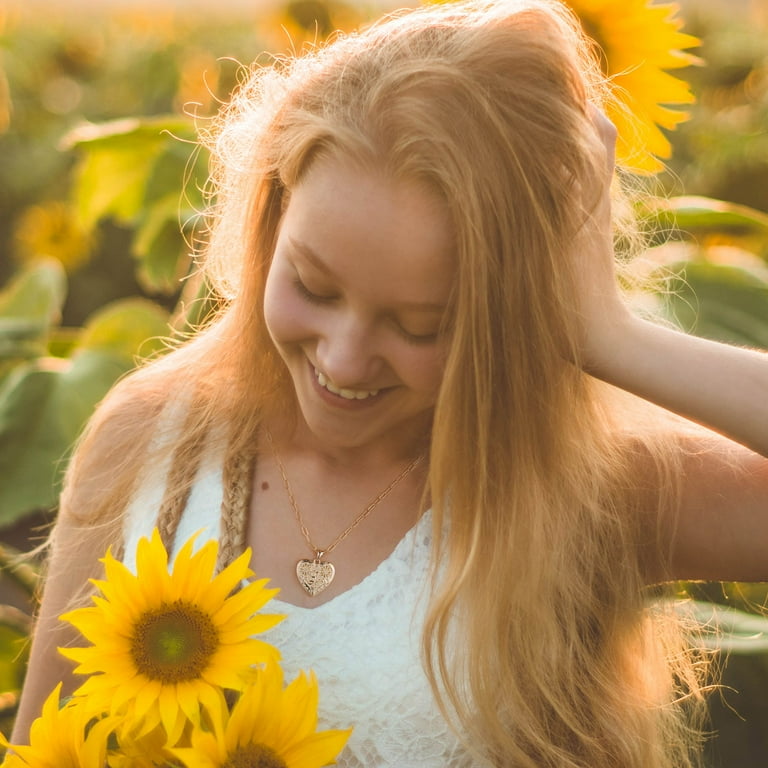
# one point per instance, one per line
(348, 354)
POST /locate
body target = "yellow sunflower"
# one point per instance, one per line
(51, 229)
(298, 25)
(270, 726)
(146, 751)
(166, 642)
(640, 41)
(64, 736)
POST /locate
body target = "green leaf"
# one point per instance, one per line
(63, 340)
(181, 171)
(710, 221)
(728, 629)
(708, 214)
(720, 302)
(21, 339)
(45, 404)
(196, 306)
(36, 293)
(119, 159)
(159, 247)
(29, 305)
(42, 411)
(172, 200)
(111, 179)
(126, 328)
(145, 173)
(105, 134)
(14, 651)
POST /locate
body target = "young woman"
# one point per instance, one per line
(425, 387)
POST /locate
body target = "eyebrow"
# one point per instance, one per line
(311, 256)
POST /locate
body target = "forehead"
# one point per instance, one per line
(360, 220)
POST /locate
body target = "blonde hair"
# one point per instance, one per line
(540, 641)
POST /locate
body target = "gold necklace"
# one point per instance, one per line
(316, 574)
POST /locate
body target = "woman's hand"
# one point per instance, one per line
(718, 385)
(602, 311)
(720, 530)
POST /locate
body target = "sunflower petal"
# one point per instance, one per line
(640, 42)
(317, 750)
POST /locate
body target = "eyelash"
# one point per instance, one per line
(314, 298)
(308, 295)
(412, 338)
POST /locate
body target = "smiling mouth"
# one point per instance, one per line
(347, 394)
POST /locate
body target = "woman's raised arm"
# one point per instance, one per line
(721, 530)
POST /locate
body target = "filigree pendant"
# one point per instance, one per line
(315, 575)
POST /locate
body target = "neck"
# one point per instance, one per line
(292, 436)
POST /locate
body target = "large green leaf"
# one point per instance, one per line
(29, 304)
(720, 302)
(116, 161)
(20, 339)
(35, 293)
(182, 166)
(127, 328)
(160, 248)
(44, 404)
(709, 221)
(173, 200)
(41, 412)
(148, 174)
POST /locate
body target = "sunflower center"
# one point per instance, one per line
(254, 756)
(174, 642)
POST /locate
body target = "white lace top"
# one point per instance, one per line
(363, 645)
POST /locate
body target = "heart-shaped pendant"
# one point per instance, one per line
(314, 575)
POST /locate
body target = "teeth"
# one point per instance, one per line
(347, 394)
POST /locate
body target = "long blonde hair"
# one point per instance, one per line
(540, 642)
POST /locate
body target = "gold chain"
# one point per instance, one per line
(359, 519)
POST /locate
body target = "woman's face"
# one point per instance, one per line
(355, 297)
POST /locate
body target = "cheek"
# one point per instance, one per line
(435, 376)
(284, 313)
(425, 371)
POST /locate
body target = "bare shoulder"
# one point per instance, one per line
(718, 530)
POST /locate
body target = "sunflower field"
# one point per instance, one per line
(102, 184)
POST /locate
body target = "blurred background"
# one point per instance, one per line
(101, 183)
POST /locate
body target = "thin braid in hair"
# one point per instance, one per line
(186, 461)
(238, 478)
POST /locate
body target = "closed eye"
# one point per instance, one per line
(416, 338)
(315, 298)
(319, 298)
